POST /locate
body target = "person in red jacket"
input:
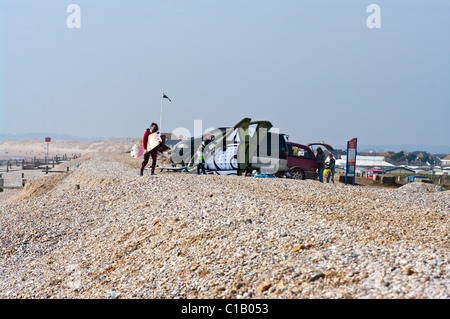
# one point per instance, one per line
(154, 152)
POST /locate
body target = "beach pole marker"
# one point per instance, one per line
(47, 140)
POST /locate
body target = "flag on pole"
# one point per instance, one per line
(166, 97)
(162, 98)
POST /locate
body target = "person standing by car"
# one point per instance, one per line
(201, 157)
(320, 158)
(330, 164)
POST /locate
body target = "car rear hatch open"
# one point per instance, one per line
(328, 148)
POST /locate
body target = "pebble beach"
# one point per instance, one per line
(102, 231)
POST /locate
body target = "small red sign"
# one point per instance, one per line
(352, 143)
(48, 139)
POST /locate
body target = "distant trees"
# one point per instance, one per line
(398, 157)
(410, 157)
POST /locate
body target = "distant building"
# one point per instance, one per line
(388, 155)
(365, 161)
(440, 171)
(446, 160)
(398, 170)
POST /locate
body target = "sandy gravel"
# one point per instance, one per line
(103, 231)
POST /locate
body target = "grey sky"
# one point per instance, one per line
(313, 68)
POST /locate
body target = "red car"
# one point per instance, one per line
(301, 160)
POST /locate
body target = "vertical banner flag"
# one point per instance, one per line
(351, 160)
